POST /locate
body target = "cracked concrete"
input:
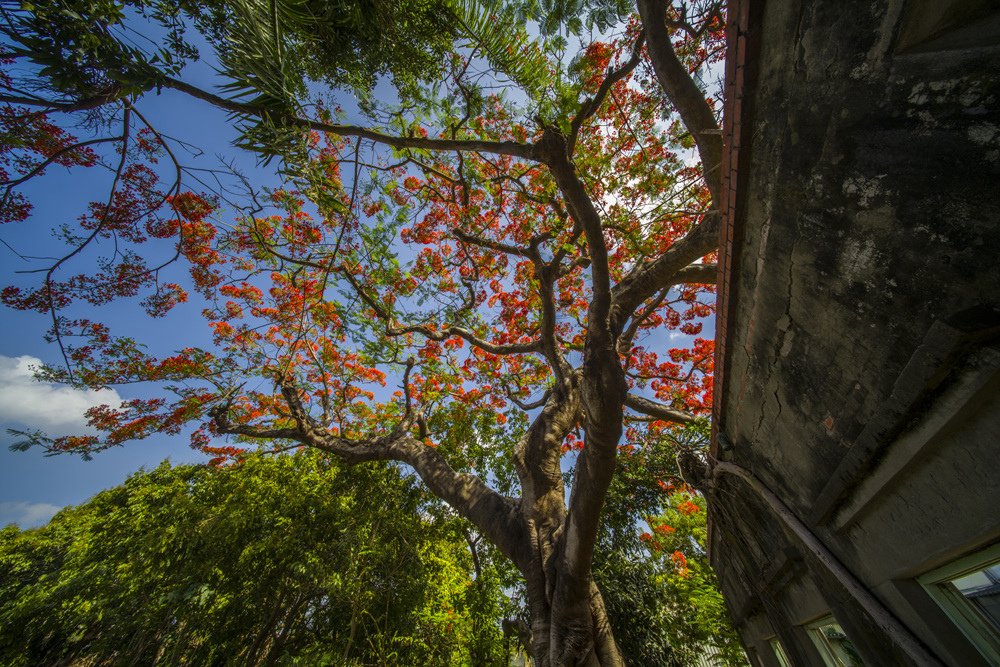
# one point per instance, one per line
(870, 214)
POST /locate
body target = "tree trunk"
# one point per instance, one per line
(563, 637)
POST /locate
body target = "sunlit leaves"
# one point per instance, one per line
(494, 28)
(199, 563)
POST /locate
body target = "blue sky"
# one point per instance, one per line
(33, 486)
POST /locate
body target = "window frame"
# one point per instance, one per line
(937, 583)
(778, 650)
(819, 640)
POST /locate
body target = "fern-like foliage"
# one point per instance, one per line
(497, 30)
(272, 50)
(255, 59)
(574, 16)
(253, 56)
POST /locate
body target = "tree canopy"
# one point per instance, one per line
(512, 232)
(278, 561)
(287, 560)
(662, 597)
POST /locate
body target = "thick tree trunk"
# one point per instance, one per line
(569, 637)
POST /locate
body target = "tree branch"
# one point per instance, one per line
(552, 148)
(624, 344)
(543, 507)
(490, 244)
(512, 148)
(12, 183)
(590, 106)
(682, 91)
(706, 274)
(602, 391)
(529, 405)
(98, 228)
(701, 274)
(537, 454)
(682, 22)
(671, 268)
(112, 94)
(658, 410)
(547, 274)
(494, 515)
(393, 329)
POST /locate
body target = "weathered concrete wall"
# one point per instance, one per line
(871, 210)
(866, 271)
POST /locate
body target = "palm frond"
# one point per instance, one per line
(506, 44)
(254, 56)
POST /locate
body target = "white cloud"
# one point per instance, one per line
(48, 407)
(26, 515)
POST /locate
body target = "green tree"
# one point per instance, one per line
(691, 597)
(663, 598)
(281, 560)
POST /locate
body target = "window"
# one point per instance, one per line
(969, 592)
(833, 644)
(779, 652)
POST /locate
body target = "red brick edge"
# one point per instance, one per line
(737, 35)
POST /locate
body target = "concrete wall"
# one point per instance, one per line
(860, 385)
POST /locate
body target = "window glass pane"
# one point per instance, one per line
(968, 590)
(982, 590)
(833, 644)
(971, 582)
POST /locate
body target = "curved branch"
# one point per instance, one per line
(547, 275)
(705, 274)
(537, 454)
(529, 405)
(684, 93)
(512, 148)
(682, 22)
(671, 268)
(537, 457)
(112, 94)
(490, 244)
(553, 150)
(658, 410)
(264, 433)
(494, 515)
(393, 329)
(590, 106)
(98, 228)
(628, 335)
(55, 156)
(700, 274)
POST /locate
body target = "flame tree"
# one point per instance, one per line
(510, 237)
